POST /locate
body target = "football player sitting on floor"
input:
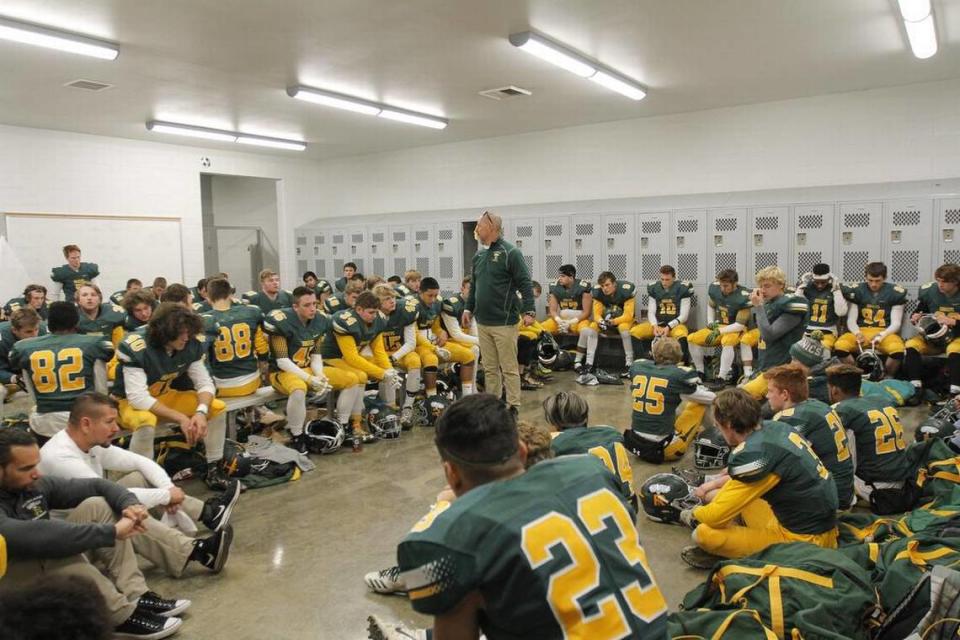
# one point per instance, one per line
(780, 321)
(787, 392)
(613, 310)
(874, 436)
(668, 309)
(658, 432)
(570, 310)
(874, 318)
(827, 305)
(728, 314)
(936, 320)
(774, 482)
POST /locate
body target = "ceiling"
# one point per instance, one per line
(226, 63)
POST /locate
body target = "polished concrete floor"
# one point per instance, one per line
(301, 549)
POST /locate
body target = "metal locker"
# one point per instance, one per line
(860, 224)
(400, 243)
(556, 246)
(357, 249)
(908, 236)
(814, 232)
(321, 254)
(424, 249)
(301, 249)
(769, 239)
(652, 245)
(587, 239)
(688, 237)
(525, 234)
(948, 232)
(339, 251)
(449, 248)
(378, 252)
(727, 243)
(619, 246)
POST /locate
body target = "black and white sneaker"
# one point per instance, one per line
(385, 581)
(300, 444)
(212, 552)
(147, 626)
(216, 511)
(625, 374)
(164, 607)
(578, 367)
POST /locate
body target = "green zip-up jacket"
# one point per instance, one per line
(499, 272)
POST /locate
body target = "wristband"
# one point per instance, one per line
(202, 408)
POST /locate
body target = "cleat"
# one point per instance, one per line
(587, 379)
(385, 581)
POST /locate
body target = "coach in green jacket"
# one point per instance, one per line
(499, 273)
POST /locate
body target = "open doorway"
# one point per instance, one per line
(470, 246)
(240, 230)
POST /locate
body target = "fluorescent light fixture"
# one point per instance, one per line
(565, 58)
(367, 107)
(614, 83)
(335, 100)
(413, 118)
(552, 52)
(914, 10)
(27, 33)
(922, 36)
(219, 135)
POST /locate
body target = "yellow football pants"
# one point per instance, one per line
(700, 338)
(550, 326)
(926, 349)
(891, 345)
(428, 357)
(644, 331)
(286, 383)
(757, 388)
(183, 401)
(751, 338)
(686, 427)
(827, 340)
(407, 362)
(760, 530)
(239, 390)
(529, 333)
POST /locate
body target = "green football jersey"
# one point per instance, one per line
(109, 317)
(778, 352)
(821, 426)
(875, 308)
(117, 297)
(132, 323)
(232, 340)
(340, 284)
(614, 303)
(160, 367)
(603, 442)
(818, 388)
(668, 300)
(571, 298)
(405, 314)
(302, 340)
(454, 306)
(553, 553)
(427, 313)
(823, 311)
(805, 498)
(880, 450)
(7, 340)
(60, 366)
(403, 290)
(72, 280)
(932, 300)
(322, 287)
(21, 303)
(335, 304)
(732, 307)
(348, 323)
(656, 391)
(260, 299)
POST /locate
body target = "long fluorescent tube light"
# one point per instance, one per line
(914, 10)
(27, 33)
(920, 27)
(367, 107)
(565, 58)
(219, 135)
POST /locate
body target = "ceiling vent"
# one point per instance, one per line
(505, 93)
(88, 85)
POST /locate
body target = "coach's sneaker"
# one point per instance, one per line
(212, 552)
(163, 607)
(217, 510)
(385, 581)
(147, 626)
(698, 558)
(379, 629)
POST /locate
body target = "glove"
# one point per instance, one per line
(603, 325)
(391, 378)
(443, 354)
(318, 384)
(686, 517)
(805, 279)
(564, 327)
(876, 342)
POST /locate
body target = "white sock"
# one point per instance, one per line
(476, 364)
(592, 339)
(627, 340)
(746, 355)
(726, 361)
(696, 355)
(296, 411)
(214, 440)
(357, 400)
(345, 404)
(466, 388)
(581, 346)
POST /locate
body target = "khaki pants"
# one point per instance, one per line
(123, 583)
(165, 547)
(498, 352)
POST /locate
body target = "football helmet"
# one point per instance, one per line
(934, 333)
(448, 382)
(938, 425)
(426, 411)
(236, 461)
(383, 421)
(870, 364)
(710, 450)
(547, 349)
(324, 435)
(664, 495)
(563, 362)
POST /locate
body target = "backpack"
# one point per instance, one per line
(720, 623)
(180, 459)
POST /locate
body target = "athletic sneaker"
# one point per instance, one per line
(528, 383)
(542, 372)
(385, 581)
(604, 377)
(212, 552)
(300, 443)
(625, 374)
(144, 625)
(587, 378)
(379, 629)
(164, 607)
(698, 558)
(719, 384)
(216, 511)
(578, 367)
(365, 436)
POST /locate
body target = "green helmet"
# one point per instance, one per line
(664, 495)
(710, 450)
